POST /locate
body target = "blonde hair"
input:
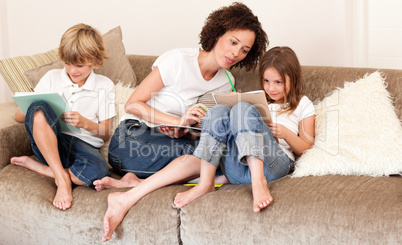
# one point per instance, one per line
(82, 44)
(284, 60)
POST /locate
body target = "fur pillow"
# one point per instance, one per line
(357, 133)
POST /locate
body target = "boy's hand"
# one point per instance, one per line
(75, 119)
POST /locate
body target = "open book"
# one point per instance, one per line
(55, 100)
(256, 98)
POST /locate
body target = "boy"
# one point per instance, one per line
(72, 157)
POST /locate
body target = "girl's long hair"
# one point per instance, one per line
(284, 60)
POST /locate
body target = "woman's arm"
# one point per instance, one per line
(299, 143)
(136, 104)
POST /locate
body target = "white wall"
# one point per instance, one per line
(320, 31)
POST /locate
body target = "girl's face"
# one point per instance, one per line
(78, 73)
(274, 86)
(233, 47)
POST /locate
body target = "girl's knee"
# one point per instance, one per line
(244, 109)
(218, 111)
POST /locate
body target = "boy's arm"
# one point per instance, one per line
(19, 115)
(101, 130)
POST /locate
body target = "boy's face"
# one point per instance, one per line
(78, 73)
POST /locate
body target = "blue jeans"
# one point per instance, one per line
(136, 148)
(84, 160)
(229, 135)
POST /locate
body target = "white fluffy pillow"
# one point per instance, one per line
(122, 93)
(357, 133)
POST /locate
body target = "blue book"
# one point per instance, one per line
(55, 100)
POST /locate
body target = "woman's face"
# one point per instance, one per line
(233, 47)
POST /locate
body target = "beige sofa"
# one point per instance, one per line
(330, 209)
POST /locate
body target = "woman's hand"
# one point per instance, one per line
(193, 115)
(174, 132)
(74, 118)
(278, 130)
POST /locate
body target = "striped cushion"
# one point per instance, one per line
(12, 69)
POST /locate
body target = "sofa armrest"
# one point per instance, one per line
(14, 140)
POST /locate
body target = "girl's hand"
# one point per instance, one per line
(174, 132)
(75, 119)
(232, 93)
(278, 130)
(193, 115)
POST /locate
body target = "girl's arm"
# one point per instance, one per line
(19, 115)
(301, 142)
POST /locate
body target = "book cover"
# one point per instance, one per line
(256, 98)
(59, 106)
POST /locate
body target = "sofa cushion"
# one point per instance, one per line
(357, 132)
(24, 72)
(26, 194)
(310, 210)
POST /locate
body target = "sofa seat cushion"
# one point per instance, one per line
(308, 210)
(26, 203)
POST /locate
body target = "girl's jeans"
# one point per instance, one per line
(136, 148)
(84, 160)
(229, 135)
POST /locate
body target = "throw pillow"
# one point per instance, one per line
(35, 74)
(23, 73)
(122, 93)
(13, 69)
(357, 133)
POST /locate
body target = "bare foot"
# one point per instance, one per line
(128, 180)
(117, 209)
(184, 198)
(261, 196)
(64, 197)
(31, 164)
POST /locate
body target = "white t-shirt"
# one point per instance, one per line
(183, 82)
(304, 109)
(93, 100)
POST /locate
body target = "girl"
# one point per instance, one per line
(246, 144)
(231, 36)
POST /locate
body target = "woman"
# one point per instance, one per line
(232, 36)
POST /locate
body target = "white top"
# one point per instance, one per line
(304, 109)
(183, 82)
(93, 100)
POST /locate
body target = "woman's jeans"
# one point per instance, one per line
(84, 160)
(229, 135)
(136, 148)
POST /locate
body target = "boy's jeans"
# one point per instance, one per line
(84, 160)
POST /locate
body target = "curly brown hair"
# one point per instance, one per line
(235, 17)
